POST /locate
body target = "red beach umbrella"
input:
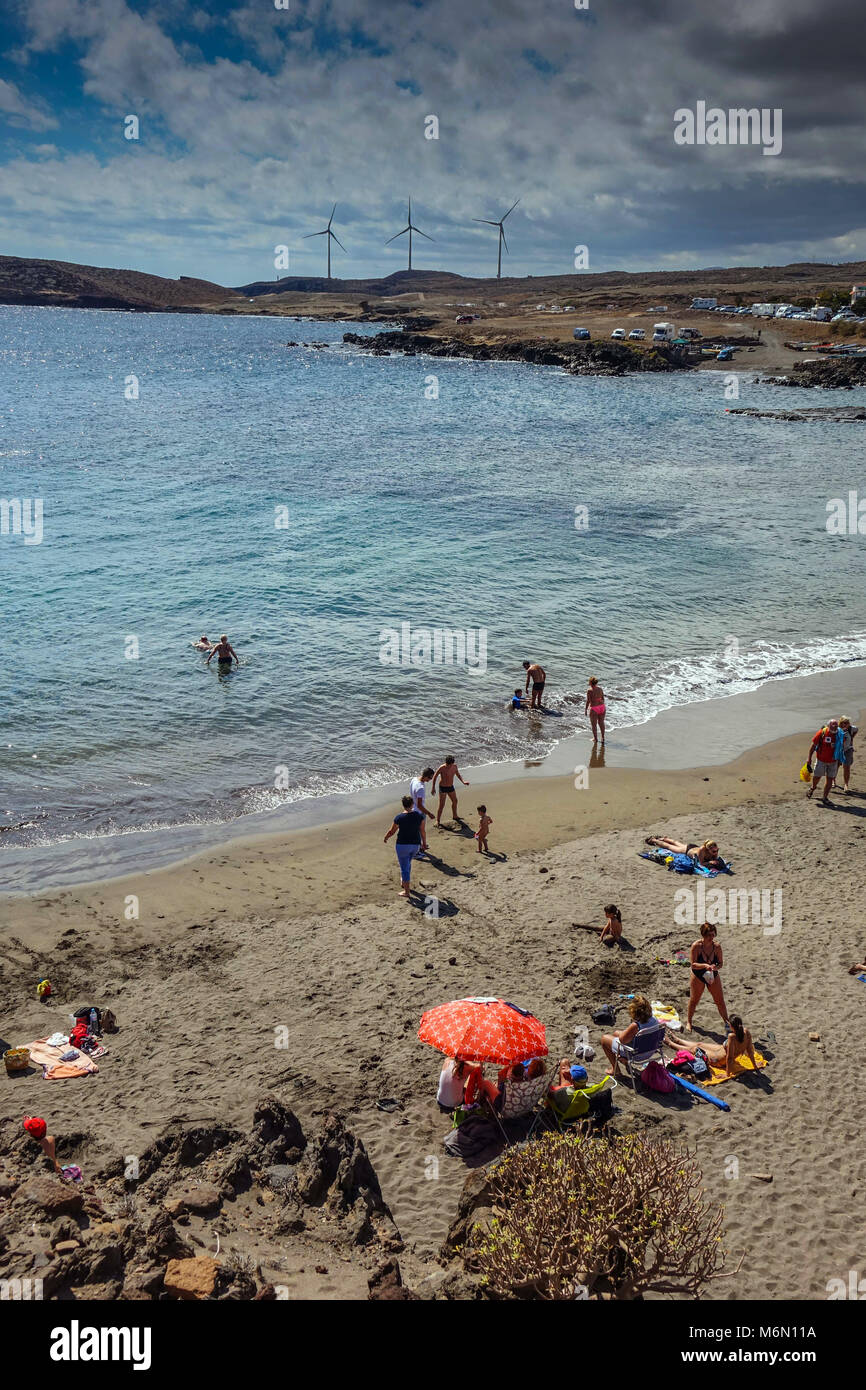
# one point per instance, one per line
(483, 1030)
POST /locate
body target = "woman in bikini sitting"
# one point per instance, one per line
(737, 1044)
(707, 854)
(596, 708)
(706, 961)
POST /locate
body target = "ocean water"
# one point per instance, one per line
(307, 500)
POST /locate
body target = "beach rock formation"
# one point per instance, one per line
(833, 373)
(211, 1205)
(578, 358)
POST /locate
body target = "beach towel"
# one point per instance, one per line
(666, 1014)
(48, 1058)
(742, 1064)
(684, 863)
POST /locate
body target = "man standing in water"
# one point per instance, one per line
(537, 675)
(223, 651)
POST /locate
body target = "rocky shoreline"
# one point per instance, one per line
(829, 414)
(578, 358)
(831, 373)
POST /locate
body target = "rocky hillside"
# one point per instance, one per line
(63, 284)
(577, 358)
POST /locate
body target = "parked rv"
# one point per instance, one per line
(664, 332)
(704, 303)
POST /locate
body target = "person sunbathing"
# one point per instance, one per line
(737, 1044)
(857, 969)
(562, 1089)
(706, 854)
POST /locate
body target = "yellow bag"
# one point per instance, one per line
(16, 1059)
(805, 774)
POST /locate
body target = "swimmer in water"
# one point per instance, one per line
(202, 645)
(223, 651)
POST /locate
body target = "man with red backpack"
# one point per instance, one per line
(827, 746)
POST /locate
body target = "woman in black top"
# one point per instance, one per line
(407, 828)
(706, 962)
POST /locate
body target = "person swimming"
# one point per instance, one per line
(223, 651)
(203, 645)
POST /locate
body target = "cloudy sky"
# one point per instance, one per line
(254, 120)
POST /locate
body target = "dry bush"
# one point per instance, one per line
(576, 1216)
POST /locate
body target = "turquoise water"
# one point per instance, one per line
(706, 566)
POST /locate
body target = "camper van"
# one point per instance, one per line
(663, 333)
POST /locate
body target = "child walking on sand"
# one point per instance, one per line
(484, 825)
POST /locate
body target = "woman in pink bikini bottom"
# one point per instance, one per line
(595, 708)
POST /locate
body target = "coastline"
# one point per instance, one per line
(306, 935)
(715, 742)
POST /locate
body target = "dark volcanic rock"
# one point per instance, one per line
(579, 359)
(387, 1284)
(833, 373)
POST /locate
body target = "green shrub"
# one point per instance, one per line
(577, 1217)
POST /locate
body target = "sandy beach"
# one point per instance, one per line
(305, 933)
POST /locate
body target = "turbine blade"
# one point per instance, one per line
(502, 234)
(485, 220)
(331, 218)
(309, 234)
(339, 243)
(395, 236)
(511, 209)
(418, 232)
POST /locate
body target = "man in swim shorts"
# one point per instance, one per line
(538, 676)
(223, 651)
(445, 775)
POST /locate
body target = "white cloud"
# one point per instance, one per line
(18, 111)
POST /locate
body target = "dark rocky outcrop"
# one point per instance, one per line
(578, 358)
(832, 373)
(237, 1194)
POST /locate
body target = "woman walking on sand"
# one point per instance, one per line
(407, 827)
(706, 961)
(596, 708)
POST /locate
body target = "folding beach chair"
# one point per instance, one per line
(647, 1047)
(578, 1107)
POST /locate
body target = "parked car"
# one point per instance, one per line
(726, 355)
(638, 334)
(582, 333)
(618, 334)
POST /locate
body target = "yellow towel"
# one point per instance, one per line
(741, 1064)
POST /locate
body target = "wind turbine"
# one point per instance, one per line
(502, 241)
(330, 235)
(410, 228)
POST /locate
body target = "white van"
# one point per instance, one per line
(663, 333)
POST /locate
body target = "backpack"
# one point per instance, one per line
(656, 1077)
(605, 1015)
(700, 1064)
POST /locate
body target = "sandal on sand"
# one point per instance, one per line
(809, 793)
(388, 1105)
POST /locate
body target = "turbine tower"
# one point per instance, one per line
(502, 241)
(410, 228)
(332, 236)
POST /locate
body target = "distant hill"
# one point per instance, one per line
(25, 281)
(793, 279)
(67, 285)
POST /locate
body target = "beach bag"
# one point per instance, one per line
(17, 1059)
(605, 1015)
(805, 774)
(83, 1016)
(656, 1077)
(601, 1104)
(108, 1022)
